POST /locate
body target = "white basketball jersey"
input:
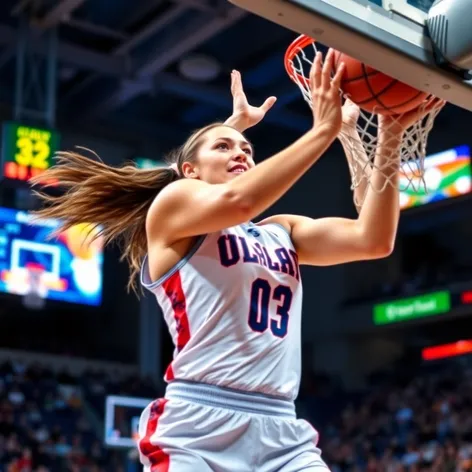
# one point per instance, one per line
(233, 308)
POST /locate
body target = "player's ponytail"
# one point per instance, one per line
(116, 199)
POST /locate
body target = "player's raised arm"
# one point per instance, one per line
(359, 164)
(194, 205)
(329, 241)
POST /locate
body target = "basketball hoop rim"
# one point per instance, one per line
(297, 45)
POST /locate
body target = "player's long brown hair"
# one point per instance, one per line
(115, 198)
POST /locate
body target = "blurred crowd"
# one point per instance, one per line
(422, 422)
(44, 426)
(424, 264)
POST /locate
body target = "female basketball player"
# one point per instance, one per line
(230, 290)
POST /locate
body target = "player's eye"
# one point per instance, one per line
(222, 146)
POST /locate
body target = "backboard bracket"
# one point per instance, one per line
(404, 9)
(370, 34)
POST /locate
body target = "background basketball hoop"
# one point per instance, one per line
(34, 298)
(298, 61)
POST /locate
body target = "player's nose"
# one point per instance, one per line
(240, 157)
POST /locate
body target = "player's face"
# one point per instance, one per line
(223, 155)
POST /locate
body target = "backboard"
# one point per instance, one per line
(122, 420)
(388, 35)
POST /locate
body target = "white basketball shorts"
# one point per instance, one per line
(203, 428)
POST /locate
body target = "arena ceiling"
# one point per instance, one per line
(151, 69)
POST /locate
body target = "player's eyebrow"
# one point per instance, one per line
(243, 142)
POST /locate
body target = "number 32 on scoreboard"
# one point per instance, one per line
(33, 148)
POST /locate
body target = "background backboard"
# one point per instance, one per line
(122, 420)
(389, 36)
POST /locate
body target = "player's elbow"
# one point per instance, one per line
(379, 249)
(377, 242)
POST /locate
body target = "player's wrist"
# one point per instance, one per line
(325, 130)
(348, 130)
(390, 136)
(239, 121)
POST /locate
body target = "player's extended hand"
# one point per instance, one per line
(325, 94)
(397, 124)
(350, 113)
(245, 115)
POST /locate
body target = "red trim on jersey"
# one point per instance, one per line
(174, 291)
(158, 459)
(169, 375)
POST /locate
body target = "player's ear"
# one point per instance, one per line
(189, 171)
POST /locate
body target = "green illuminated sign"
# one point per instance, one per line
(412, 308)
(145, 163)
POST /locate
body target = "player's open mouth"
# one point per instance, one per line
(238, 169)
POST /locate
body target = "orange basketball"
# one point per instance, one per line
(374, 91)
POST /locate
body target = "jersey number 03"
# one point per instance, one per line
(261, 295)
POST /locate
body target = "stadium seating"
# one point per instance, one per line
(422, 421)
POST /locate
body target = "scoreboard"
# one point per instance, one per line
(27, 151)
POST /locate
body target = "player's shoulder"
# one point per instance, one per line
(180, 188)
(174, 194)
(281, 220)
(166, 203)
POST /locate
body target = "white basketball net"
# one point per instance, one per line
(361, 164)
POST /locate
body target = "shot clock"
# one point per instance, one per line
(27, 151)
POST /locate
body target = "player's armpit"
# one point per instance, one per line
(330, 241)
(190, 207)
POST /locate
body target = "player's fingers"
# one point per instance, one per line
(431, 99)
(268, 104)
(338, 76)
(232, 82)
(236, 83)
(327, 69)
(433, 103)
(418, 114)
(437, 103)
(315, 72)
